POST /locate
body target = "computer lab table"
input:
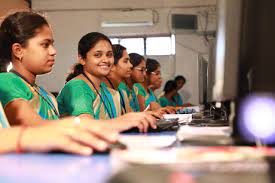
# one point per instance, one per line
(57, 167)
(61, 167)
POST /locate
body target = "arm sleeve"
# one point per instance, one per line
(76, 98)
(163, 102)
(12, 87)
(139, 89)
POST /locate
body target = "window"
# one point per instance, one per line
(133, 45)
(114, 40)
(164, 45)
(159, 46)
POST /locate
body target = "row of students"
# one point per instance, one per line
(26, 41)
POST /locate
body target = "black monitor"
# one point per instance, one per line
(256, 102)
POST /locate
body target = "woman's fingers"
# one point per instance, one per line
(89, 139)
(100, 131)
(151, 120)
(70, 146)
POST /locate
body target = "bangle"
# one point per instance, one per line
(19, 149)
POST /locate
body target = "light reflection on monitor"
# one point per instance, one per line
(257, 118)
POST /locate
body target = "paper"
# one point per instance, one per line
(190, 155)
(146, 141)
(190, 131)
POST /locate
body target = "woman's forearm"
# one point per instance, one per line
(8, 139)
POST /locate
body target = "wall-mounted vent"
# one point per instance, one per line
(127, 18)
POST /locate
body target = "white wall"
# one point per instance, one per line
(72, 19)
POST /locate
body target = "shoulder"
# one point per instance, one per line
(138, 86)
(13, 82)
(123, 86)
(10, 78)
(162, 99)
(111, 90)
(76, 84)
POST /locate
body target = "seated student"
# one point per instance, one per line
(116, 79)
(137, 76)
(85, 94)
(26, 41)
(70, 135)
(170, 90)
(180, 80)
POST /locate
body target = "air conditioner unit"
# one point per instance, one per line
(127, 18)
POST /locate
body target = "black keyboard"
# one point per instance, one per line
(208, 123)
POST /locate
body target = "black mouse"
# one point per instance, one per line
(112, 146)
(117, 145)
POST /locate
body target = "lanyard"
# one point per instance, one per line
(34, 86)
(111, 114)
(121, 96)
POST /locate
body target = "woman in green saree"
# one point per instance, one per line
(29, 47)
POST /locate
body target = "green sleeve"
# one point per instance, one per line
(13, 87)
(76, 98)
(139, 89)
(163, 102)
(178, 99)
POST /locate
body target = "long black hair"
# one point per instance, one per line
(85, 44)
(135, 59)
(17, 28)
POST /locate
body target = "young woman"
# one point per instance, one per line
(26, 41)
(85, 94)
(180, 80)
(120, 72)
(170, 90)
(84, 84)
(137, 76)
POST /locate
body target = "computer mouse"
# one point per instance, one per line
(117, 145)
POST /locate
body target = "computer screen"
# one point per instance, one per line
(255, 120)
(226, 58)
(203, 78)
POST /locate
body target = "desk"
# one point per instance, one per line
(27, 168)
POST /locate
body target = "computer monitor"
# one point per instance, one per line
(256, 92)
(203, 78)
(226, 57)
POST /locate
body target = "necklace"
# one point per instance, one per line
(120, 94)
